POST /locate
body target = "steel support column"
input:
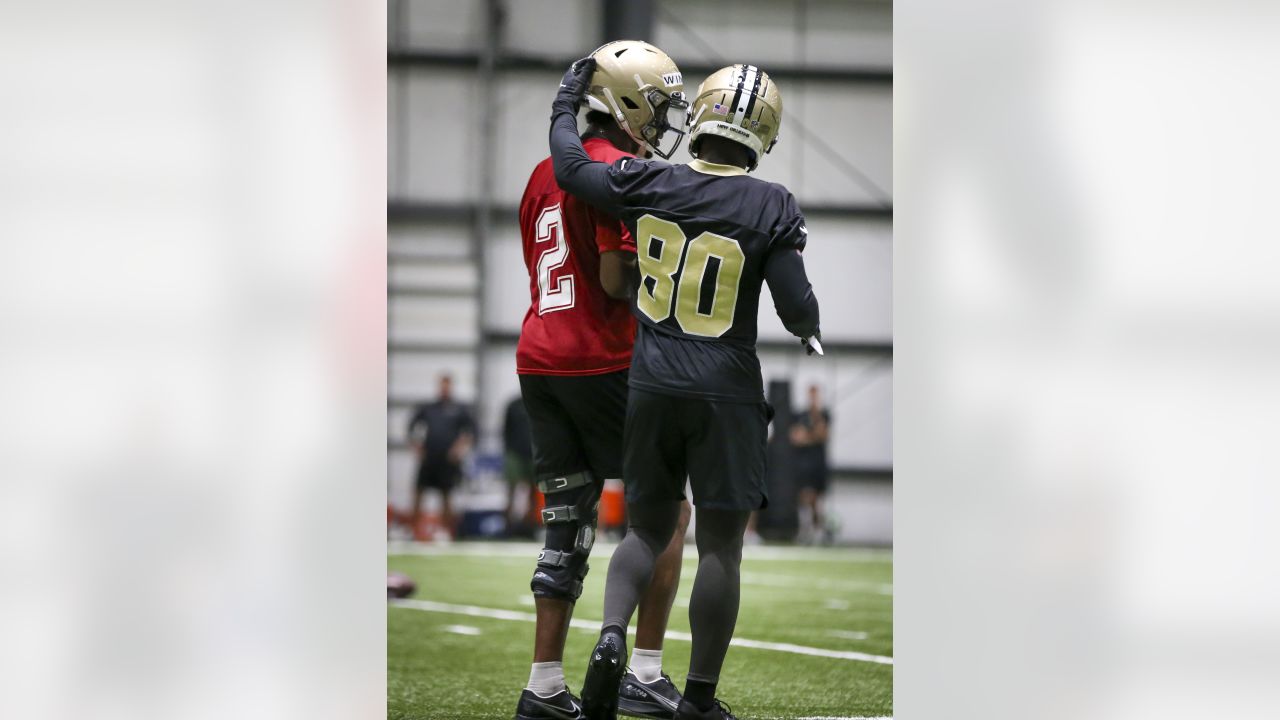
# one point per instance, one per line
(487, 85)
(628, 19)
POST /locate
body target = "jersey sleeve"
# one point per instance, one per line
(790, 232)
(628, 177)
(784, 272)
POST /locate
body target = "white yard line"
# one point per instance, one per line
(594, 626)
(462, 629)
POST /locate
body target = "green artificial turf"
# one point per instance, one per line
(444, 664)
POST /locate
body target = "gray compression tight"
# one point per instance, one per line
(713, 606)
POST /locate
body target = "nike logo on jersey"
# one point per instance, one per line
(804, 230)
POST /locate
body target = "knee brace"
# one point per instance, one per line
(570, 518)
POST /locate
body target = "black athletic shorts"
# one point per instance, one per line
(812, 476)
(576, 422)
(442, 475)
(720, 446)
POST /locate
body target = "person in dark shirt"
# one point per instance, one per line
(440, 433)
(517, 461)
(708, 237)
(809, 436)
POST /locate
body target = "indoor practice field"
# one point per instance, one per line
(814, 637)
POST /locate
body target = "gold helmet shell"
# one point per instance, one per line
(642, 89)
(741, 103)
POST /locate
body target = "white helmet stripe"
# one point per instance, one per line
(744, 94)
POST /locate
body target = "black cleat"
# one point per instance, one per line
(718, 711)
(604, 673)
(561, 706)
(658, 699)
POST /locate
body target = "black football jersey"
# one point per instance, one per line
(707, 237)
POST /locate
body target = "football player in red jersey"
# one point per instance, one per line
(573, 360)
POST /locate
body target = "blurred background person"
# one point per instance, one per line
(809, 435)
(441, 433)
(517, 465)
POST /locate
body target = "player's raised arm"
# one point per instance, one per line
(788, 283)
(575, 171)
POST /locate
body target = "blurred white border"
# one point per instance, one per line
(192, 359)
(1086, 346)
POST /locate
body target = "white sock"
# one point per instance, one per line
(646, 664)
(546, 679)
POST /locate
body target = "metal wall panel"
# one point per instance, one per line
(402, 471)
(441, 143)
(756, 31)
(414, 376)
(432, 320)
(560, 28)
(524, 112)
(396, 130)
(436, 24)
(858, 389)
(845, 32)
(503, 384)
(506, 286)
(398, 423)
(450, 240)
(818, 32)
(849, 263)
(433, 276)
(856, 123)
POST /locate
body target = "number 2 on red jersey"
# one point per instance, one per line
(553, 293)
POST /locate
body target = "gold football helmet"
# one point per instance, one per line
(740, 103)
(642, 89)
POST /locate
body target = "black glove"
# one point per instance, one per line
(574, 85)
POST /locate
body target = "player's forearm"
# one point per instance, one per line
(575, 171)
(792, 294)
(800, 317)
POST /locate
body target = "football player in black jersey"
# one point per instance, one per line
(708, 236)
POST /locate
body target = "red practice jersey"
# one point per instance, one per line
(572, 327)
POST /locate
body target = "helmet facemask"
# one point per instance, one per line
(664, 131)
